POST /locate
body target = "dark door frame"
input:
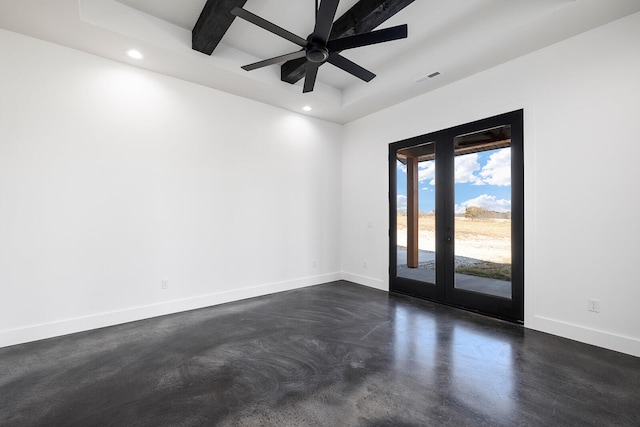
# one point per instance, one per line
(509, 309)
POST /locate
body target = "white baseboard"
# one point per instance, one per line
(101, 320)
(366, 281)
(603, 339)
(595, 337)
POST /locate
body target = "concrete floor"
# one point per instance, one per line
(331, 355)
(423, 256)
(427, 273)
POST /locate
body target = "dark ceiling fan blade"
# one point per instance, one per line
(350, 67)
(310, 76)
(358, 40)
(324, 20)
(263, 23)
(282, 58)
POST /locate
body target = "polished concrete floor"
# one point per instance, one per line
(330, 355)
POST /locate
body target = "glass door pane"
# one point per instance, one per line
(415, 216)
(456, 216)
(482, 222)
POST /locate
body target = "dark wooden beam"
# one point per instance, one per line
(363, 17)
(213, 23)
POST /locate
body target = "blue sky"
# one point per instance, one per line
(482, 179)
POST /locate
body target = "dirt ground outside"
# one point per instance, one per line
(487, 239)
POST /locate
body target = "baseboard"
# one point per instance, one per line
(598, 338)
(101, 320)
(595, 337)
(365, 281)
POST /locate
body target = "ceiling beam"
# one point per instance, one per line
(213, 23)
(363, 17)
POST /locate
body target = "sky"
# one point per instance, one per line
(482, 179)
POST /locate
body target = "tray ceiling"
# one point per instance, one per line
(456, 38)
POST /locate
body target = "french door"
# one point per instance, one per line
(457, 218)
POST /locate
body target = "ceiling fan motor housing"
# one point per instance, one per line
(316, 52)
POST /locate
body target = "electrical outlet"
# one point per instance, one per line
(594, 305)
(164, 284)
(314, 264)
(364, 264)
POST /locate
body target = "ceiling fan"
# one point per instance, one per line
(317, 48)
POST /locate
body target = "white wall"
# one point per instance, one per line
(582, 153)
(113, 178)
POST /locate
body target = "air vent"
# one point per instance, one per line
(430, 76)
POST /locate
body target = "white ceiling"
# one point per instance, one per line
(457, 38)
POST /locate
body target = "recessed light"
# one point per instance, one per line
(306, 108)
(135, 54)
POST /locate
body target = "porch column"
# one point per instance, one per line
(412, 212)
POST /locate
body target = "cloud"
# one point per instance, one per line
(401, 202)
(402, 168)
(485, 201)
(465, 168)
(497, 171)
(427, 172)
